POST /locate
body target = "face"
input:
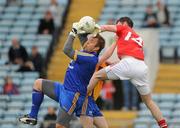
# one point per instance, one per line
(53, 2)
(34, 50)
(15, 42)
(90, 45)
(149, 10)
(48, 15)
(9, 80)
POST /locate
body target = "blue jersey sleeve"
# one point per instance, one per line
(83, 57)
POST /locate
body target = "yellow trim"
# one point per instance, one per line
(84, 107)
(84, 54)
(76, 96)
(75, 55)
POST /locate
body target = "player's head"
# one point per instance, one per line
(125, 21)
(94, 44)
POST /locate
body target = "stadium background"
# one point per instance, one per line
(20, 19)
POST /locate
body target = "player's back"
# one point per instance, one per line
(129, 43)
(80, 71)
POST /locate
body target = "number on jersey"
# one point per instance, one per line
(138, 40)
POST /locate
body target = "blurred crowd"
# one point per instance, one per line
(18, 55)
(118, 95)
(157, 16)
(50, 24)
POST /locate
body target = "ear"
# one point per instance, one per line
(96, 49)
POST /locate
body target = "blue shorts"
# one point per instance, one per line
(73, 102)
(89, 108)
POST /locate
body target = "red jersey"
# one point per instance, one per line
(129, 43)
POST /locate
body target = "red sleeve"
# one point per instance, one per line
(120, 28)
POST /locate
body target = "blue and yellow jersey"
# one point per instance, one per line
(80, 71)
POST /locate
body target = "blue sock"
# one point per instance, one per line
(37, 98)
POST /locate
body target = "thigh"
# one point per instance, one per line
(48, 88)
(63, 118)
(142, 84)
(86, 121)
(100, 122)
(119, 70)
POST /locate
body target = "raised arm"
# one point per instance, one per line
(68, 46)
(108, 53)
(82, 38)
(111, 28)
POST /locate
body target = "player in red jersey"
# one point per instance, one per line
(131, 65)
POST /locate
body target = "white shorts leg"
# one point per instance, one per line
(131, 69)
(110, 74)
(118, 71)
(143, 90)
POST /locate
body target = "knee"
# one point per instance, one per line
(99, 76)
(38, 84)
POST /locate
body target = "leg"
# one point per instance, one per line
(154, 110)
(37, 98)
(86, 121)
(40, 88)
(100, 122)
(151, 105)
(102, 74)
(63, 119)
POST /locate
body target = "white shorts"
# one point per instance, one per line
(131, 69)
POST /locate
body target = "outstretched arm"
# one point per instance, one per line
(68, 47)
(101, 74)
(108, 53)
(111, 28)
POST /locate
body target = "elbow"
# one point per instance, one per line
(65, 50)
(98, 76)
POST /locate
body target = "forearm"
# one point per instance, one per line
(108, 53)
(111, 28)
(68, 47)
(83, 38)
(92, 83)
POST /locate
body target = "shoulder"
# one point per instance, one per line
(81, 56)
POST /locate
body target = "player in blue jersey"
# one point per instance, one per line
(71, 95)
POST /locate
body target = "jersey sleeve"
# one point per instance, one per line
(120, 28)
(82, 57)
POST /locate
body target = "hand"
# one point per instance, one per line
(76, 29)
(97, 30)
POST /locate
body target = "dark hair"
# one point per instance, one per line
(127, 20)
(101, 43)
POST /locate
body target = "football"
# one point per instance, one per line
(87, 24)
